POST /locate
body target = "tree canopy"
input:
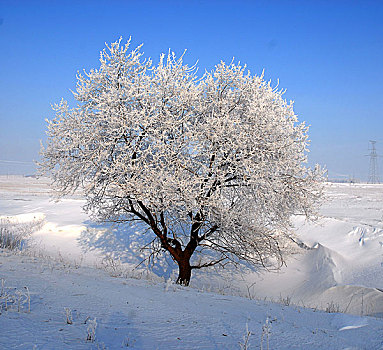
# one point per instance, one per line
(212, 165)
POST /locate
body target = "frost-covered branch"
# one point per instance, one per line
(214, 163)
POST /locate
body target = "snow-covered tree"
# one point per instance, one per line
(213, 166)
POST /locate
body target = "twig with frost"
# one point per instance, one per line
(3, 295)
(18, 295)
(266, 331)
(2, 287)
(249, 287)
(28, 296)
(68, 314)
(332, 308)
(92, 325)
(13, 297)
(168, 284)
(246, 343)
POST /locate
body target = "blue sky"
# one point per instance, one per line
(327, 54)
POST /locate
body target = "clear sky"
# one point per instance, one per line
(328, 55)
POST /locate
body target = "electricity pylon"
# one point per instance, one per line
(373, 176)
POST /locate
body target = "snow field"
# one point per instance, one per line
(339, 271)
(138, 314)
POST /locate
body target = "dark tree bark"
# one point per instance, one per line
(173, 245)
(184, 272)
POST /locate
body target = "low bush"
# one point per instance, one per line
(14, 235)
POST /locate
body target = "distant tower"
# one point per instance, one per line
(373, 176)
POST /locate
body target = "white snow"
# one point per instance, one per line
(342, 271)
(148, 315)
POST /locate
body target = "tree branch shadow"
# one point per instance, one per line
(129, 244)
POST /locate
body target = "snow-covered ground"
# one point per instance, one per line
(341, 269)
(137, 314)
(345, 264)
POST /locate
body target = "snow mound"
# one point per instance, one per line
(344, 322)
(323, 271)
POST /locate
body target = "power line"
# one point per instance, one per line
(15, 162)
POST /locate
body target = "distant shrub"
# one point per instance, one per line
(14, 235)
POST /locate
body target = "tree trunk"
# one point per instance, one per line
(184, 273)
